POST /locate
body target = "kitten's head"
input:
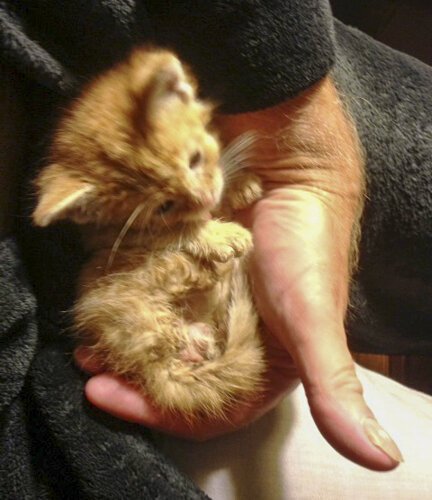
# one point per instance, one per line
(136, 142)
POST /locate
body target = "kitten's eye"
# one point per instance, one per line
(166, 207)
(195, 160)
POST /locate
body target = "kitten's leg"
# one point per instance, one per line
(220, 241)
(144, 324)
(178, 274)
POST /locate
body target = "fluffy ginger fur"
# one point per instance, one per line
(164, 298)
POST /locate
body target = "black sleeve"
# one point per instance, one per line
(248, 54)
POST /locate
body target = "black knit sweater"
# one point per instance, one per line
(244, 52)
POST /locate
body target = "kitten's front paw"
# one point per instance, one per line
(244, 193)
(240, 239)
(229, 241)
(220, 242)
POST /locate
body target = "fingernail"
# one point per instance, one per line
(381, 439)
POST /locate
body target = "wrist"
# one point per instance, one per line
(310, 141)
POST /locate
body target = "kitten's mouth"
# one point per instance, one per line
(211, 201)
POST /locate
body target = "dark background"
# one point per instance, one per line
(405, 25)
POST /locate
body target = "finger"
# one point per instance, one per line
(114, 395)
(86, 359)
(334, 392)
(117, 397)
(301, 298)
(336, 399)
(350, 427)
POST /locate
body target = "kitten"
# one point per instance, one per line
(164, 298)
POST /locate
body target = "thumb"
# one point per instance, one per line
(303, 325)
(335, 397)
(300, 286)
(334, 392)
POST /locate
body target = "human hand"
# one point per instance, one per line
(303, 233)
(121, 399)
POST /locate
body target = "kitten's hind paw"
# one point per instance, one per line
(202, 344)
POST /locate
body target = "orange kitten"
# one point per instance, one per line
(164, 298)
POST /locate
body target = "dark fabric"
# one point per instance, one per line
(243, 51)
(390, 98)
(52, 444)
(60, 43)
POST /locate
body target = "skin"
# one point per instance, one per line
(303, 230)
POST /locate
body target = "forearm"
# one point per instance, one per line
(322, 152)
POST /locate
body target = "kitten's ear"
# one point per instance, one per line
(169, 86)
(60, 195)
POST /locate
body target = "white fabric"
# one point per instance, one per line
(283, 456)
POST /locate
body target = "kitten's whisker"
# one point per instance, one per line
(180, 239)
(233, 174)
(149, 227)
(232, 177)
(165, 222)
(145, 224)
(237, 157)
(236, 168)
(142, 231)
(239, 151)
(240, 144)
(122, 234)
(231, 160)
(238, 160)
